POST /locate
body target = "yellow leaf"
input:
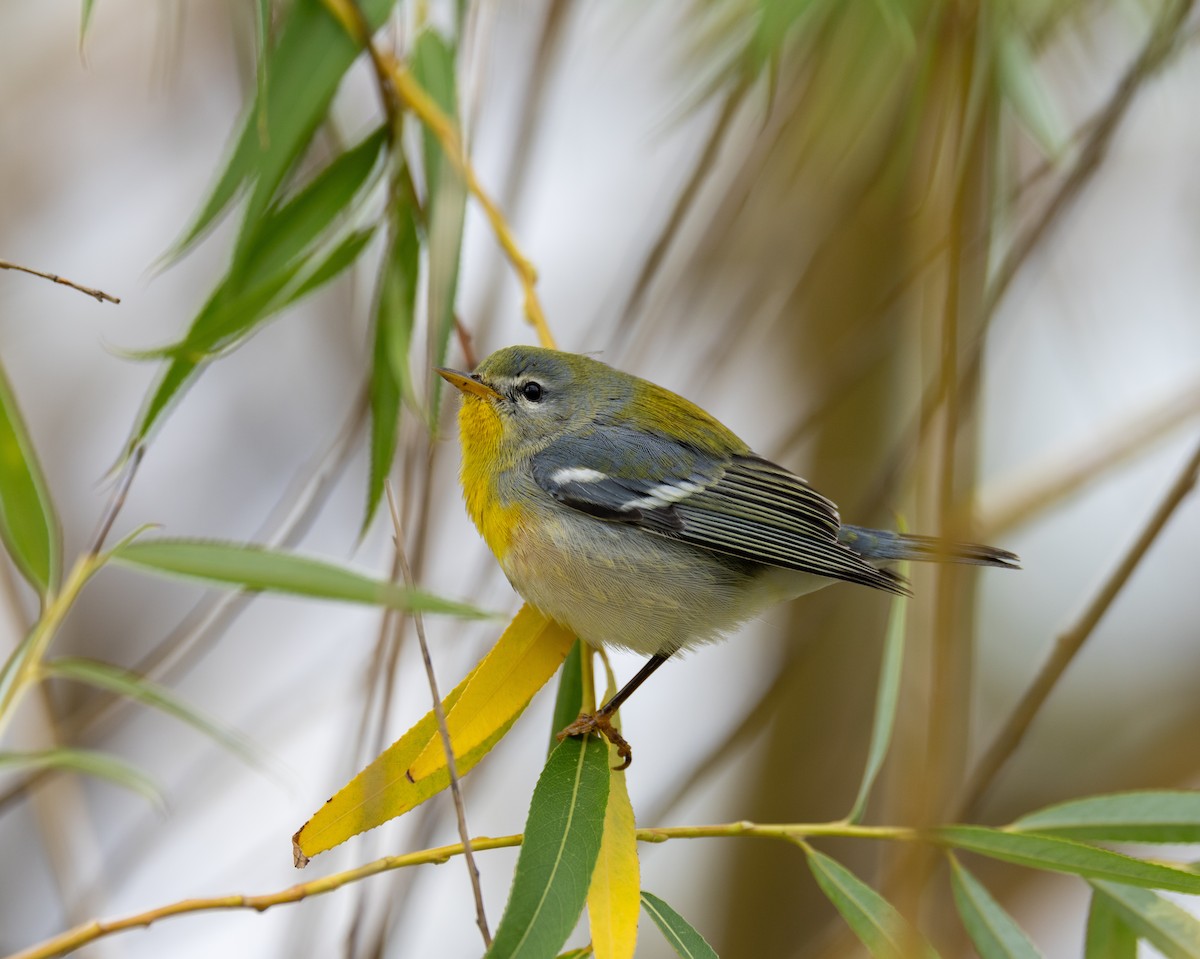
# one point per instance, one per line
(527, 655)
(384, 790)
(614, 897)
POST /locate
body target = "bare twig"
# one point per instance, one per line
(443, 730)
(1071, 642)
(98, 295)
(81, 935)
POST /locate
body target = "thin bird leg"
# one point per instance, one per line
(601, 720)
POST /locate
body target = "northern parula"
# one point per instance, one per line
(629, 515)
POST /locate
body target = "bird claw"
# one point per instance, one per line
(600, 723)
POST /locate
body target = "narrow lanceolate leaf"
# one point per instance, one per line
(1066, 855)
(90, 763)
(521, 663)
(568, 702)
(1107, 935)
(28, 525)
(124, 683)
(1021, 83)
(383, 791)
(85, 20)
(562, 840)
(614, 894)
(395, 311)
(886, 698)
(682, 936)
(280, 257)
(1151, 816)
(994, 932)
(1171, 930)
(871, 917)
(254, 567)
(303, 71)
(433, 68)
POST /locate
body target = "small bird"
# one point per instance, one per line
(632, 517)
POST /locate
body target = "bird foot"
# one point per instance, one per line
(601, 723)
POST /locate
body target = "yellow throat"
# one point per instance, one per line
(481, 434)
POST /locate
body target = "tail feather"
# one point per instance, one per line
(885, 545)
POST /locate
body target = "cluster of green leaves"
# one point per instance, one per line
(294, 237)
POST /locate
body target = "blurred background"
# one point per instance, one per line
(938, 258)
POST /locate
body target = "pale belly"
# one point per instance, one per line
(617, 586)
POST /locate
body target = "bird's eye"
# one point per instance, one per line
(532, 391)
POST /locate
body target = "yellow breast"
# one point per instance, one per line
(483, 459)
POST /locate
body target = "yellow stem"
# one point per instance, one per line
(73, 939)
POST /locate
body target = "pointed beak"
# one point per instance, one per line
(467, 383)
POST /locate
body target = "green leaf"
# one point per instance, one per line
(254, 567)
(682, 936)
(138, 688)
(446, 200)
(886, 697)
(994, 932)
(90, 763)
(85, 20)
(562, 841)
(262, 31)
(303, 71)
(1150, 816)
(28, 525)
(871, 917)
(283, 236)
(395, 313)
(1066, 855)
(1107, 936)
(1171, 930)
(344, 253)
(569, 701)
(1022, 86)
(581, 953)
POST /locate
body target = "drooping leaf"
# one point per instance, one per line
(383, 791)
(871, 917)
(28, 525)
(562, 840)
(682, 936)
(386, 789)
(614, 894)
(138, 688)
(568, 702)
(90, 763)
(303, 72)
(521, 663)
(446, 198)
(1024, 90)
(1148, 816)
(395, 313)
(1066, 855)
(279, 259)
(1171, 930)
(1107, 936)
(886, 698)
(85, 20)
(254, 567)
(994, 932)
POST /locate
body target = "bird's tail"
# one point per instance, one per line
(885, 545)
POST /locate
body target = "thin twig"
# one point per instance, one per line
(1071, 642)
(98, 295)
(117, 501)
(81, 935)
(460, 810)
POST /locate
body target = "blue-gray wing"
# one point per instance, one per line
(740, 506)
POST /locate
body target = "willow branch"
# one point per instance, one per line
(81, 935)
(98, 295)
(413, 96)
